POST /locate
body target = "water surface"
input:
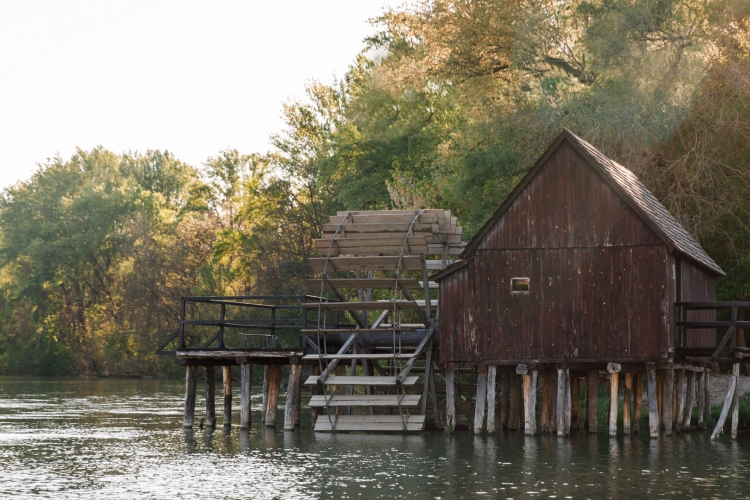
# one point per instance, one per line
(94, 438)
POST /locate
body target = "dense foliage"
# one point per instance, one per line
(448, 105)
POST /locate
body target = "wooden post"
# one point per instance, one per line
(298, 399)
(660, 397)
(690, 400)
(614, 376)
(450, 397)
(592, 386)
(314, 412)
(701, 390)
(563, 406)
(575, 403)
(735, 399)
(529, 398)
(505, 401)
(274, 386)
(191, 381)
(727, 403)
(653, 406)
(264, 406)
(481, 400)
(680, 396)
(210, 396)
(491, 377)
(546, 415)
(668, 397)
(227, 378)
(292, 394)
(246, 371)
(626, 404)
(515, 411)
(638, 407)
(707, 398)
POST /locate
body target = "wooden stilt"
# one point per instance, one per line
(668, 400)
(727, 403)
(653, 406)
(505, 401)
(562, 403)
(638, 406)
(567, 402)
(575, 403)
(450, 397)
(529, 398)
(435, 404)
(707, 398)
(681, 396)
(627, 402)
(316, 391)
(546, 414)
(292, 391)
(592, 402)
(491, 403)
(614, 376)
(264, 406)
(515, 421)
(660, 397)
(701, 392)
(552, 388)
(210, 396)
(298, 399)
(246, 371)
(480, 402)
(191, 381)
(274, 387)
(226, 372)
(690, 400)
(735, 399)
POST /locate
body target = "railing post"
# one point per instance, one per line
(182, 324)
(273, 327)
(733, 341)
(221, 327)
(304, 312)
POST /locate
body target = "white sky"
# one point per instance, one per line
(191, 77)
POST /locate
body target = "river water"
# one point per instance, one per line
(95, 438)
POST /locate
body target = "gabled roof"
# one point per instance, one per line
(628, 186)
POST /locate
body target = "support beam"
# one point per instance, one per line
(226, 372)
(701, 390)
(210, 396)
(317, 390)
(680, 396)
(191, 382)
(638, 407)
(491, 401)
(563, 408)
(505, 401)
(246, 372)
(668, 400)
(515, 421)
(480, 402)
(292, 393)
(735, 399)
(614, 377)
(274, 387)
(660, 397)
(627, 402)
(450, 397)
(707, 398)
(727, 403)
(690, 401)
(529, 398)
(546, 414)
(575, 403)
(592, 386)
(653, 406)
(264, 406)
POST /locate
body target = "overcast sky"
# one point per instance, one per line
(185, 76)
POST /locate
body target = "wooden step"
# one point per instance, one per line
(378, 263)
(375, 381)
(335, 331)
(377, 283)
(407, 400)
(375, 423)
(356, 356)
(376, 305)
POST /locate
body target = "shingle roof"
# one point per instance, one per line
(630, 188)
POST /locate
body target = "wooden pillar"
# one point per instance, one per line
(653, 406)
(728, 400)
(707, 398)
(210, 396)
(701, 392)
(575, 403)
(735, 399)
(668, 400)
(529, 398)
(614, 376)
(638, 407)
(226, 372)
(505, 401)
(627, 401)
(660, 397)
(292, 394)
(191, 381)
(298, 399)
(316, 390)
(450, 397)
(264, 406)
(272, 402)
(690, 401)
(563, 402)
(546, 414)
(246, 372)
(481, 400)
(515, 411)
(592, 401)
(679, 385)
(491, 403)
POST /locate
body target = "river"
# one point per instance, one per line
(96, 438)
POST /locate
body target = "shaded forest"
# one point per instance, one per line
(446, 106)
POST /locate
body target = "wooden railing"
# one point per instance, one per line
(728, 343)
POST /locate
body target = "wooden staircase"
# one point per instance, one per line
(381, 253)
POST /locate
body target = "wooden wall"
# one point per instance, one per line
(698, 285)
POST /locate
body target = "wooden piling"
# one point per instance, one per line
(638, 406)
(627, 402)
(529, 398)
(653, 404)
(613, 369)
(264, 404)
(292, 393)
(551, 389)
(668, 400)
(515, 413)
(680, 396)
(575, 403)
(491, 400)
(246, 371)
(210, 385)
(690, 401)
(700, 403)
(563, 407)
(592, 386)
(450, 396)
(226, 372)
(316, 390)
(191, 382)
(480, 401)
(274, 387)
(546, 416)
(735, 399)
(728, 399)
(660, 397)
(707, 398)
(505, 401)
(298, 399)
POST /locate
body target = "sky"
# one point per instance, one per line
(190, 77)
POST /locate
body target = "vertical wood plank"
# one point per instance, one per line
(638, 407)
(491, 400)
(264, 405)
(529, 402)
(292, 392)
(660, 397)
(246, 372)
(707, 398)
(210, 385)
(274, 387)
(592, 402)
(701, 390)
(516, 403)
(668, 400)
(505, 401)
(627, 401)
(562, 392)
(680, 397)
(191, 382)
(480, 402)
(653, 404)
(226, 372)
(735, 399)
(690, 400)
(575, 403)
(552, 388)
(450, 397)
(613, 391)
(546, 416)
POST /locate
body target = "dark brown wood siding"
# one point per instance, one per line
(698, 285)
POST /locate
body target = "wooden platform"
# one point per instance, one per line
(363, 380)
(371, 423)
(240, 356)
(406, 400)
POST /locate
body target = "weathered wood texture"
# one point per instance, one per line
(613, 391)
(529, 402)
(515, 414)
(246, 371)
(491, 400)
(575, 403)
(272, 401)
(698, 286)
(653, 403)
(292, 397)
(226, 372)
(690, 401)
(638, 406)
(701, 390)
(450, 397)
(191, 382)
(627, 403)
(210, 385)
(480, 402)
(592, 401)
(505, 401)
